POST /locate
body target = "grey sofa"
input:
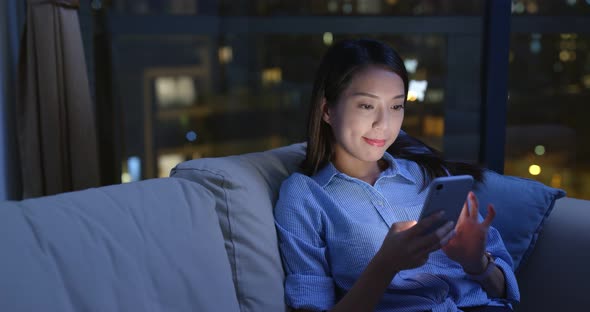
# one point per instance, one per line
(204, 240)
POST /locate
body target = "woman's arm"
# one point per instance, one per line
(404, 247)
(490, 277)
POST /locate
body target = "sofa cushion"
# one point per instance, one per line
(522, 205)
(246, 188)
(153, 245)
(556, 275)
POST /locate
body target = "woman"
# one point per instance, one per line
(348, 235)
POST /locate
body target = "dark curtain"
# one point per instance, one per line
(55, 118)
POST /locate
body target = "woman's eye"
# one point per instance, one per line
(398, 107)
(366, 106)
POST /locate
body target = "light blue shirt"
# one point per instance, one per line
(331, 225)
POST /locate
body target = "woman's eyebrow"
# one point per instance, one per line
(400, 96)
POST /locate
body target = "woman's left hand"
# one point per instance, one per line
(467, 247)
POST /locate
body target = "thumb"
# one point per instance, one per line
(490, 216)
(403, 225)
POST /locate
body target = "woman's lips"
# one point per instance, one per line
(378, 143)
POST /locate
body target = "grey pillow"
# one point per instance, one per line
(153, 245)
(246, 188)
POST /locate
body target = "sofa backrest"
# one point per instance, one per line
(245, 188)
(153, 245)
(556, 276)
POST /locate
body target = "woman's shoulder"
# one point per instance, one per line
(297, 181)
(299, 194)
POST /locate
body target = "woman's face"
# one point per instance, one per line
(368, 116)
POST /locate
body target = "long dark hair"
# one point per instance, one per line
(340, 63)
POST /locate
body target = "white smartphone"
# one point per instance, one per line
(448, 194)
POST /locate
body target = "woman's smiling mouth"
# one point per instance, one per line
(378, 143)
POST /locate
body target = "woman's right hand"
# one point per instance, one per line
(407, 246)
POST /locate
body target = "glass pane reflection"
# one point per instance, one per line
(547, 120)
(191, 97)
(301, 7)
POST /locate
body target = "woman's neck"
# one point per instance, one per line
(365, 171)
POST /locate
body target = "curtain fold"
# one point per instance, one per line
(55, 117)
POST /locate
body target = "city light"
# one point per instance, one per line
(416, 90)
(226, 54)
(540, 150)
(411, 65)
(191, 136)
(333, 6)
(435, 95)
(535, 170)
(556, 180)
(517, 7)
(433, 126)
(167, 162)
(535, 46)
(328, 38)
(125, 177)
(178, 90)
(532, 8)
(347, 8)
(272, 76)
(133, 168)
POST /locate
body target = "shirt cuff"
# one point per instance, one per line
(512, 293)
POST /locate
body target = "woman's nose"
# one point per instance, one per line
(381, 119)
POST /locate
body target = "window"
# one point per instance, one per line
(547, 125)
(197, 79)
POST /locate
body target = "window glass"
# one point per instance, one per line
(185, 97)
(551, 7)
(300, 7)
(547, 122)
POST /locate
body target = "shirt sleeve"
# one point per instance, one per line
(300, 226)
(504, 261)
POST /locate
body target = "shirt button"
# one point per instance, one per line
(379, 203)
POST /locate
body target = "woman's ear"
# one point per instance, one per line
(325, 111)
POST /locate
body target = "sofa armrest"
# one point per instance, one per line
(556, 277)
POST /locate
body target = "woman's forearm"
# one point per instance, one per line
(495, 283)
(492, 278)
(369, 288)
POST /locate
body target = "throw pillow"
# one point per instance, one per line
(522, 206)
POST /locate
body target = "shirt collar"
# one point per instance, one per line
(328, 172)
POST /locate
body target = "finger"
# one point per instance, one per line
(426, 223)
(474, 205)
(432, 241)
(442, 231)
(465, 210)
(403, 225)
(490, 216)
(445, 240)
